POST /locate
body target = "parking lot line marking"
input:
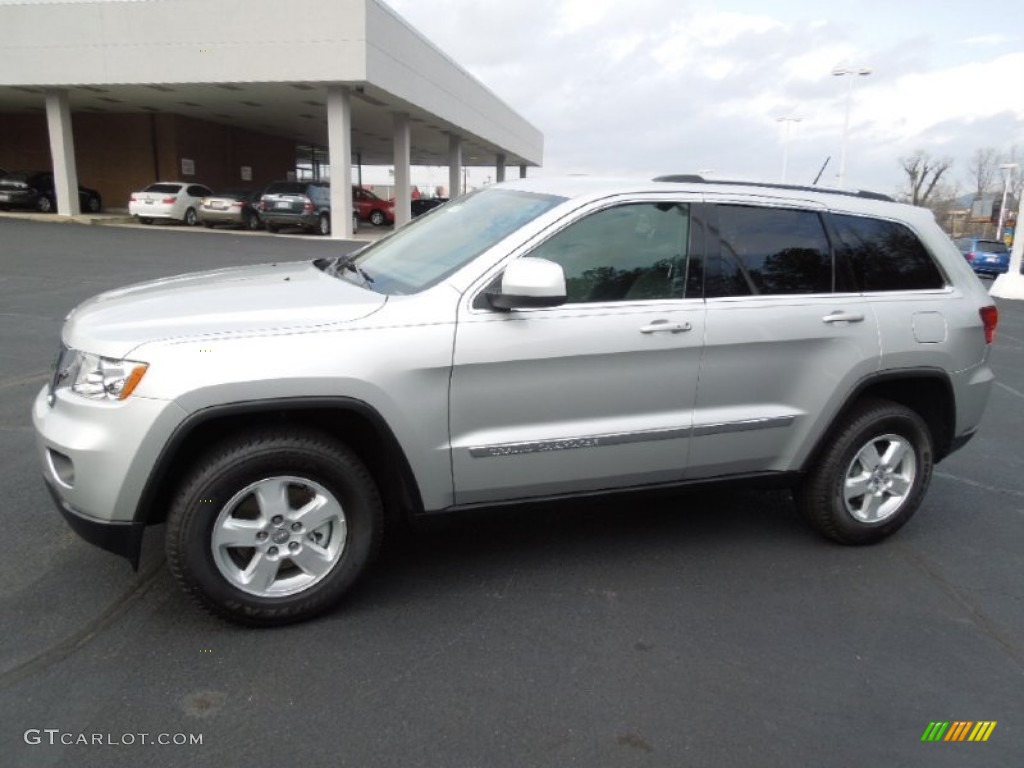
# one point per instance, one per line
(1010, 389)
(28, 378)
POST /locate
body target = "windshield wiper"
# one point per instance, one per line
(351, 267)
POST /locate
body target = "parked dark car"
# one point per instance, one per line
(239, 207)
(35, 189)
(305, 204)
(986, 257)
(423, 204)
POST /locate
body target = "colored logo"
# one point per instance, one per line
(959, 730)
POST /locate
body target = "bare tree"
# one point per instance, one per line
(983, 168)
(923, 174)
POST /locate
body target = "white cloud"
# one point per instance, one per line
(667, 85)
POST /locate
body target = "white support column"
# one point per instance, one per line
(62, 149)
(499, 171)
(339, 145)
(403, 188)
(1011, 284)
(522, 171)
(454, 166)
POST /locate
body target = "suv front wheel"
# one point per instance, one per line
(273, 526)
(871, 476)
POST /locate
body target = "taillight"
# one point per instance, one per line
(970, 256)
(308, 207)
(169, 200)
(990, 319)
(131, 198)
(238, 204)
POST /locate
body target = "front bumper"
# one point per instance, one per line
(120, 537)
(97, 456)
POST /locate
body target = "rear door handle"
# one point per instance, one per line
(843, 317)
(664, 326)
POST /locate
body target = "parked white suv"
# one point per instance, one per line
(533, 340)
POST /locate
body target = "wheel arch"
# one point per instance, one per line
(352, 422)
(926, 391)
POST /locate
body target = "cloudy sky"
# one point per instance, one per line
(653, 86)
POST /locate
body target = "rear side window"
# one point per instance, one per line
(768, 251)
(885, 256)
(992, 246)
(198, 190)
(286, 188)
(164, 189)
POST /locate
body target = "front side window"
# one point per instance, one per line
(768, 251)
(885, 256)
(632, 252)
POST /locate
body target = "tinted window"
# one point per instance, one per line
(992, 246)
(198, 190)
(164, 189)
(628, 253)
(768, 251)
(885, 256)
(286, 188)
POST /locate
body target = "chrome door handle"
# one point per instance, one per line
(664, 326)
(843, 317)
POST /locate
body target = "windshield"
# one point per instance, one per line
(427, 251)
(163, 188)
(992, 246)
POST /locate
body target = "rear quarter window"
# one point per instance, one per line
(884, 255)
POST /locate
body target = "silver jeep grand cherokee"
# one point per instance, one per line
(533, 340)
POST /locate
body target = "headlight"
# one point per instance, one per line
(96, 377)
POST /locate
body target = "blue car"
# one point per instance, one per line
(987, 257)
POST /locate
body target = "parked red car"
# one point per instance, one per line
(369, 207)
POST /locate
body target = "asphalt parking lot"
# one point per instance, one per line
(705, 629)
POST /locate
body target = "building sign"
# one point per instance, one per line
(246, 173)
(188, 167)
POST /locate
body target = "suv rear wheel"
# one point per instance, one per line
(871, 477)
(324, 225)
(273, 526)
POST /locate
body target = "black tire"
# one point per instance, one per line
(252, 222)
(881, 431)
(93, 204)
(190, 218)
(208, 224)
(145, 220)
(294, 459)
(323, 225)
(355, 223)
(44, 204)
(377, 218)
(272, 228)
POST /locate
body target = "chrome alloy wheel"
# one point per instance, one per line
(279, 536)
(880, 478)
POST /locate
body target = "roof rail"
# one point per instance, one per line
(692, 178)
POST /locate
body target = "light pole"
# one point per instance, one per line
(1007, 169)
(787, 122)
(849, 72)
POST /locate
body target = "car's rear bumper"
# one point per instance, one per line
(306, 220)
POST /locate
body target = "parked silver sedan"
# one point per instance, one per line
(238, 207)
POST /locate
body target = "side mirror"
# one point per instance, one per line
(530, 282)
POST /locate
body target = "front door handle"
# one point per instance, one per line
(843, 317)
(664, 326)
